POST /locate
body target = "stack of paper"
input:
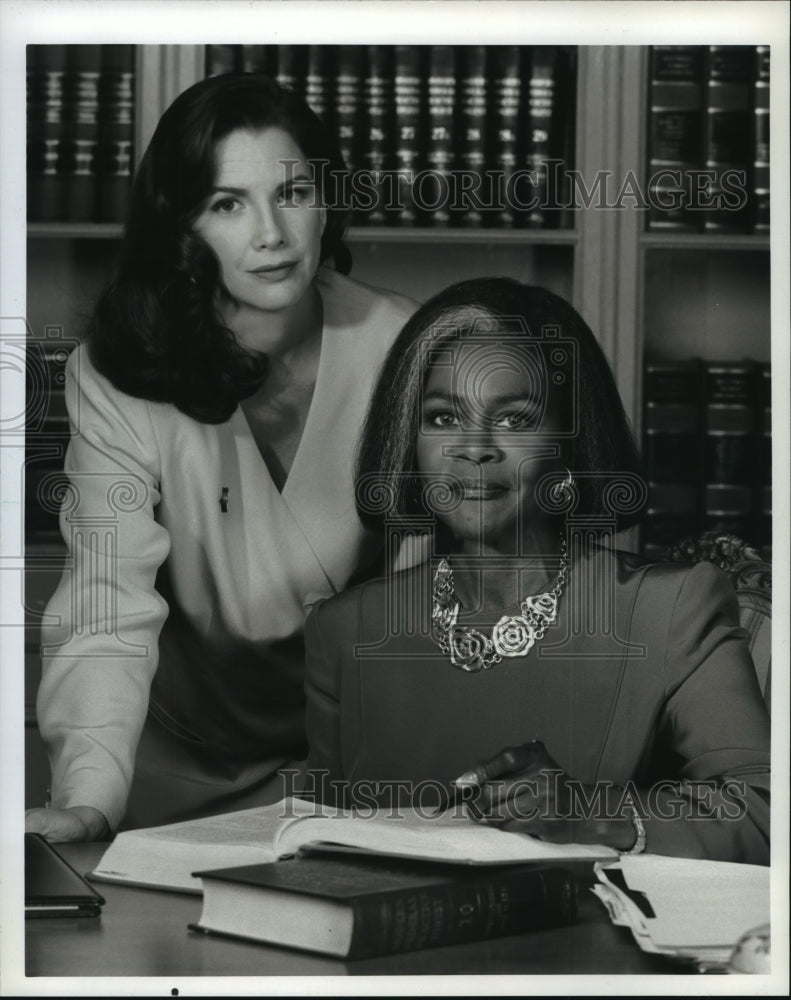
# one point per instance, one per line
(687, 908)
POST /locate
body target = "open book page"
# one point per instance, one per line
(449, 837)
(696, 904)
(166, 856)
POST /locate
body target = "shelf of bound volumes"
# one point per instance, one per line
(708, 138)
(707, 449)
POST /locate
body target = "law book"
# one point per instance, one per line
(542, 128)
(114, 149)
(505, 72)
(46, 65)
(221, 59)
(77, 152)
(367, 907)
(319, 71)
(671, 454)
(729, 448)
(764, 499)
(727, 135)
(292, 67)
(408, 101)
(675, 134)
(377, 135)
(348, 102)
(441, 134)
(473, 117)
(760, 141)
(165, 857)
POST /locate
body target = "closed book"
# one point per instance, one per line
(46, 65)
(729, 450)
(368, 907)
(473, 196)
(542, 131)
(760, 141)
(371, 197)
(222, 59)
(348, 102)
(292, 67)
(435, 193)
(671, 454)
(318, 81)
(505, 74)
(114, 150)
(408, 102)
(675, 134)
(764, 499)
(77, 153)
(727, 134)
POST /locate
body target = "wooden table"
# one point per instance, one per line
(143, 932)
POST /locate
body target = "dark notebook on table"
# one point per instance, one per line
(52, 887)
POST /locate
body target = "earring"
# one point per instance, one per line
(563, 492)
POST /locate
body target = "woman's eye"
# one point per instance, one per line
(522, 420)
(442, 418)
(225, 205)
(297, 195)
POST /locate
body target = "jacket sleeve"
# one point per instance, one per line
(101, 627)
(716, 722)
(323, 697)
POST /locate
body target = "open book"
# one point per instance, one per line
(165, 857)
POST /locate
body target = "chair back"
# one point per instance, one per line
(751, 576)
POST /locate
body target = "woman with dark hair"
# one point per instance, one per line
(559, 686)
(215, 410)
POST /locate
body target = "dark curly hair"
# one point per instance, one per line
(155, 331)
(598, 439)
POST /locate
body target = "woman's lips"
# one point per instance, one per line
(275, 271)
(482, 491)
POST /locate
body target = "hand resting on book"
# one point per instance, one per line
(524, 790)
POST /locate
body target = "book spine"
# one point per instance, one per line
(540, 134)
(114, 151)
(408, 105)
(46, 65)
(506, 85)
(729, 448)
(671, 455)
(318, 82)
(77, 154)
(675, 101)
(222, 59)
(473, 113)
(764, 499)
(728, 134)
(441, 138)
(291, 68)
(760, 180)
(378, 109)
(348, 103)
(462, 911)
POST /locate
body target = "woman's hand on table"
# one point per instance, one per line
(524, 790)
(60, 826)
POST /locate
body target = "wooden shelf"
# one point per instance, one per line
(705, 241)
(75, 230)
(356, 234)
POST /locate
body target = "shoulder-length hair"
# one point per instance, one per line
(585, 401)
(155, 332)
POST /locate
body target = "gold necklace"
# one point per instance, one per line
(513, 635)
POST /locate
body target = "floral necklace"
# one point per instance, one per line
(513, 635)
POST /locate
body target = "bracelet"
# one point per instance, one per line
(639, 832)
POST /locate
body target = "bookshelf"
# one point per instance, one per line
(648, 295)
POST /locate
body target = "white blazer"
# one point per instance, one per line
(143, 518)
